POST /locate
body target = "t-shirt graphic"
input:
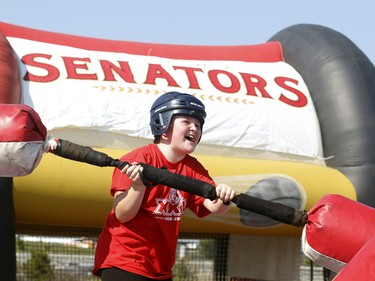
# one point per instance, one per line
(171, 208)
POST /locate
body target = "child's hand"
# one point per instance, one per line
(225, 192)
(134, 171)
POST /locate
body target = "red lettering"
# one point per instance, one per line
(123, 71)
(156, 71)
(224, 81)
(73, 64)
(190, 73)
(234, 86)
(253, 82)
(52, 72)
(301, 98)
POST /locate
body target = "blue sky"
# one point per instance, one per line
(194, 22)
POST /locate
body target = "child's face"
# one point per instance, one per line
(184, 134)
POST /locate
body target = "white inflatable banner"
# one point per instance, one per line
(263, 106)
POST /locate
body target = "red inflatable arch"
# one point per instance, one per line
(10, 90)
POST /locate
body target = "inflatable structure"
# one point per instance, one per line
(288, 120)
(341, 81)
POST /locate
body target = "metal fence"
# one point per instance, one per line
(51, 254)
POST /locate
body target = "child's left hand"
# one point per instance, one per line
(225, 192)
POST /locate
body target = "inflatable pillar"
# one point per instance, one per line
(10, 92)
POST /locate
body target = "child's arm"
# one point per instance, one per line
(127, 203)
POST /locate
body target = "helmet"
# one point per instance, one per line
(174, 103)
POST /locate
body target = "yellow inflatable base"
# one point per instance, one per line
(62, 192)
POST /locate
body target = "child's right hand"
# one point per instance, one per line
(134, 171)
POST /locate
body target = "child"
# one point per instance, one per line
(139, 239)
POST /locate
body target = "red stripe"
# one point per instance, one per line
(266, 52)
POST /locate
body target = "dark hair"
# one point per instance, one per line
(157, 139)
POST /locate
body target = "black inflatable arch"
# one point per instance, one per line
(341, 81)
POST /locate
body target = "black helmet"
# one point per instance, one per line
(174, 103)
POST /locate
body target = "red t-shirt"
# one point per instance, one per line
(146, 245)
